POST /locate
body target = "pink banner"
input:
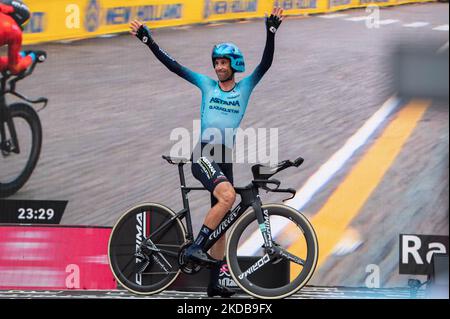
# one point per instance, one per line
(54, 258)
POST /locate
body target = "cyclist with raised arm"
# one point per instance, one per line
(13, 15)
(223, 106)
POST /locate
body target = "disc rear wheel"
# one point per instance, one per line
(143, 255)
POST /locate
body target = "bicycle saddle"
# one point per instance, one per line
(176, 160)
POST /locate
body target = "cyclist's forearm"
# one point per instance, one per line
(166, 59)
(145, 36)
(267, 57)
(269, 49)
(272, 22)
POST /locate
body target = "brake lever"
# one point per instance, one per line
(42, 100)
(36, 101)
(288, 190)
(263, 184)
(298, 162)
(167, 159)
(293, 192)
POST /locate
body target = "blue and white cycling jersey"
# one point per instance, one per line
(221, 112)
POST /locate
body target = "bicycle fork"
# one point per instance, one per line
(262, 215)
(273, 252)
(12, 145)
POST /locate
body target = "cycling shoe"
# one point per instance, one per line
(196, 254)
(219, 290)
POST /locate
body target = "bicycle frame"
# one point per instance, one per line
(148, 251)
(5, 119)
(249, 198)
(5, 114)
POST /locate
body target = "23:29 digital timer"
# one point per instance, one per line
(31, 211)
(35, 214)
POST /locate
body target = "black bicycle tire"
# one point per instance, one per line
(268, 293)
(26, 112)
(144, 290)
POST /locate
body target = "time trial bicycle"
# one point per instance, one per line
(20, 132)
(147, 244)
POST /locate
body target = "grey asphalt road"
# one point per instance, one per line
(113, 107)
(306, 293)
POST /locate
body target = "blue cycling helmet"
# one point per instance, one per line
(231, 52)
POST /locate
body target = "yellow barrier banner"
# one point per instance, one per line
(71, 19)
(53, 20)
(336, 5)
(216, 10)
(380, 3)
(385, 3)
(299, 7)
(396, 2)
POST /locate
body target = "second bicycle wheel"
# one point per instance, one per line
(17, 167)
(267, 276)
(160, 268)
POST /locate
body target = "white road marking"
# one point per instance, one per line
(325, 173)
(112, 35)
(365, 18)
(416, 25)
(333, 16)
(357, 19)
(441, 28)
(387, 21)
(183, 27)
(443, 48)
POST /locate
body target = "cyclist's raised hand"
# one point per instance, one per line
(140, 30)
(134, 26)
(273, 22)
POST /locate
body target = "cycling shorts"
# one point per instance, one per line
(210, 173)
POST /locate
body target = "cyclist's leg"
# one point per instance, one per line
(17, 63)
(222, 196)
(213, 179)
(218, 250)
(3, 63)
(225, 195)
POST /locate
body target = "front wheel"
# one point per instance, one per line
(17, 162)
(292, 266)
(143, 248)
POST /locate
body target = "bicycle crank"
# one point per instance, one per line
(187, 267)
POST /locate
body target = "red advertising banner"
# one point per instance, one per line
(51, 257)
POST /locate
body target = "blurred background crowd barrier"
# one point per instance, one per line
(54, 20)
